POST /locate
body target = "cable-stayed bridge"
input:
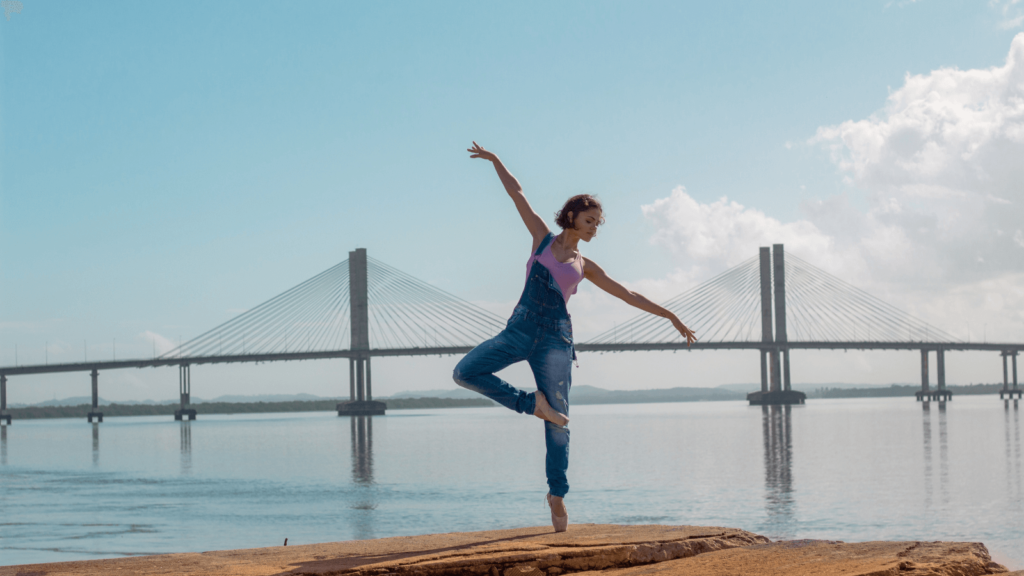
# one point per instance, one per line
(775, 303)
(361, 308)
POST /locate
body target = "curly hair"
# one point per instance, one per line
(576, 205)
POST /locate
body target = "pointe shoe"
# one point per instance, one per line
(544, 411)
(561, 523)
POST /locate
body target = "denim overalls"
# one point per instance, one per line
(539, 332)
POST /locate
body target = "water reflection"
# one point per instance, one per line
(929, 468)
(1013, 452)
(926, 422)
(943, 455)
(186, 447)
(95, 444)
(362, 449)
(3, 445)
(362, 475)
(776, 426)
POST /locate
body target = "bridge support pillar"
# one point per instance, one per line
(776, 378)
(360, 382)
(351, 379)
(940, 393)
(785, 370)
(95, 412)
(360, 389)
(764, 371)
(1015, 388)
(361, 401)
(185, 392)
(5, 417)
(924, 394)
(1006, 380)
(1007, 391)
(940, 375)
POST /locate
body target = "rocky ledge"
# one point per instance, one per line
(585, 549)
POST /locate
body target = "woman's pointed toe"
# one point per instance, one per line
(560, 523)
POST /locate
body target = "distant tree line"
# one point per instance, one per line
(903, 390)
(82, 410)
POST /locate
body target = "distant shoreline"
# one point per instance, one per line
(586, 397)
(81, 410)
(901, 390)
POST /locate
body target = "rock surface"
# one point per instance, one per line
(823, 557)
(585, 549)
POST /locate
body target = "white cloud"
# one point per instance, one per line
(942, 164)
(942, 169)
(724, 230)
(900, 4)
(1012, 22)
(1010, 12)
(708, 238)
(877, 257)
(161, 343)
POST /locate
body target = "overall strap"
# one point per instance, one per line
(544, 243)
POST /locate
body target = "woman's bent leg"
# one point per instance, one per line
(552, 368)
(476, 372)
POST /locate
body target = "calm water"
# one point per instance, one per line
(853, 470)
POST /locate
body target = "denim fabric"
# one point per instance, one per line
(540, 332)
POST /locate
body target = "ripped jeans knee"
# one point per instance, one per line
(459, 379)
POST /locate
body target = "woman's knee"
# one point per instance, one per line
(463, 380)
(461, 372)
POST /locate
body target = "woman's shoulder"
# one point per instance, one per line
(589, 266)
(542, 241)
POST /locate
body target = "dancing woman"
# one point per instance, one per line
(540, 331)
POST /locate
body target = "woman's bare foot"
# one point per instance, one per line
(559, 515)
(544, 411)
(557, 506)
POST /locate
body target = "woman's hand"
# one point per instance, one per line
(477, 151)
(686, 332)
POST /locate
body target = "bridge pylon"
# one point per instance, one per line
(361, 402)
(775, 350)
(95, 411)
(185, 393)
(3, 400)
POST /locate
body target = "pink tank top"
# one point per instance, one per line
(567, 275)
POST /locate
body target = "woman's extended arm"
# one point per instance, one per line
(534, 223)
(597, 275)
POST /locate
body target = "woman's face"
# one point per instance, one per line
(587, 222)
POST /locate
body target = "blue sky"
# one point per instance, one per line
(166, 165)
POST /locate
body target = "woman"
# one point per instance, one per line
(540, 331)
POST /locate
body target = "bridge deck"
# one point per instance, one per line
(443, 351)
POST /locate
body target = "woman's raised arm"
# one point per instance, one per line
(534, 223)
(597, 275)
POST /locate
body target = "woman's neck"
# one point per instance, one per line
(567, 241)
